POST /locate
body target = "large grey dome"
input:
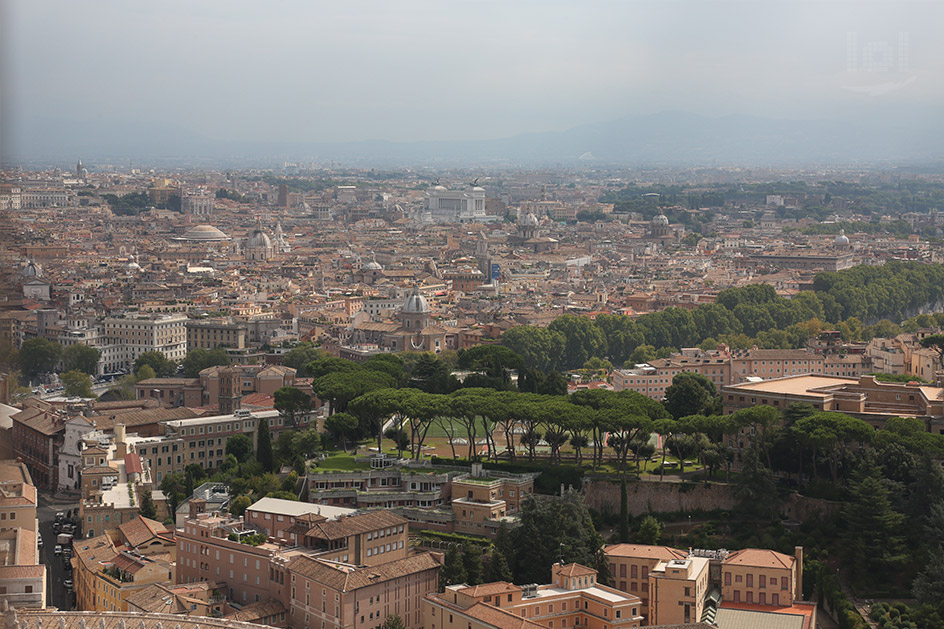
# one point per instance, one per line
(204, 232)
(416, 304)
(660, 219)
(258, 238)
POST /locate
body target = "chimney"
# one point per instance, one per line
(798, 577)
(121, 446)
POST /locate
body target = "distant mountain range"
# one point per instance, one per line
(669, 138)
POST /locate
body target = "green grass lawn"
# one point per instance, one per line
(435, 430)
(341, 461)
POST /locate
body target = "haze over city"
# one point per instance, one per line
(299, 79)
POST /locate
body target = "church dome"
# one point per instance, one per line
(841, 239)
(529, 220)
(258, 238)
(373, 265)
(660, 219)
(415, 304)
(32, 270)
(205, 233)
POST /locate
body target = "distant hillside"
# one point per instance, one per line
(670, 138)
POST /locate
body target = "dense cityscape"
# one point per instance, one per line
(471, 315)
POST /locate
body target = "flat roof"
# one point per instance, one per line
(199, 421)
(607, 594)
(800, 384)
(296, 508)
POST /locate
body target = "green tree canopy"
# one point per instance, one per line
(552, 530)
(238, 505)
(77, 384)
(292, 403)
(148, 508)
(342, 427)
(162, 366)
(39, 355)
(689, 394)
(199, 359)
(650, 531)
(82, 358)
(300, 356)
(240, 446)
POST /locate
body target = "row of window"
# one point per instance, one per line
(384, 548)
(761, 598)
(384, 532)
(762, 580)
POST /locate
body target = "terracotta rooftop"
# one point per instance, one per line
(761, 558)
(346, 579)
(644, 552)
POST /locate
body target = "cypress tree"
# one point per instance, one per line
(264, 447)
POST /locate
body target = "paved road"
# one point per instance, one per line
(56, 594)
(97, 389)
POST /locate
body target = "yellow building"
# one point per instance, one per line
(630, 565)
(573, 599)
(105, 577)
(17, 497)
(677, 590)
(763, 577)
(481, 500)
(214, 333)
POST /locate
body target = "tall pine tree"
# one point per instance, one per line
(264, 446)
(453, 570)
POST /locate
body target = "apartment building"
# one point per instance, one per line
(202, 440)
(762, 577)
(35, 441)
(213, 333)
(482, 499)
(707, 581)
(631, 564)
(106, 576)
(218, 548)
(333, 595)
(22, 571)
(388, 487)
(18, 497)
(205, 552)
(113, 481)
(164, 333)
(722, 366)
(677, 591)
(864, 397)
(572, 599)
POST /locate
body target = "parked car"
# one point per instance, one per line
(39, 541)
(57, 549)
(68, 584)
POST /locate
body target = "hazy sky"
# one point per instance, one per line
(405, 70)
